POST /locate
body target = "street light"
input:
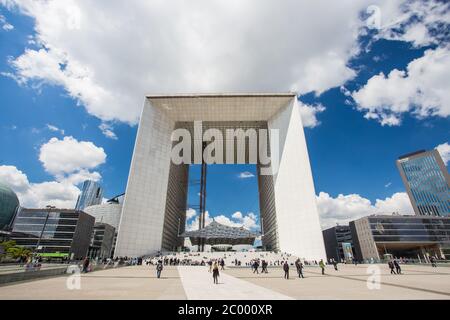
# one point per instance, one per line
(49, 209)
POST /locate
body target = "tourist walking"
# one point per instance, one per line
(255, 267)
(159, 268)
(334, 262)
(264, 266)
(210, 265)
(299, 266)
(433, 262)
(322, 266)
(222, 264)
(215, 271)
(286, 270)
(391, 266)
(397, 267)
(86, 265)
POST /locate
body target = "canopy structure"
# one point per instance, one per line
(216, 233)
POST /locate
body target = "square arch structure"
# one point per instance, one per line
(154, 209)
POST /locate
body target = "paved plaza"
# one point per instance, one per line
(140, 282)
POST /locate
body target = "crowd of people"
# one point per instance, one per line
(258, 262)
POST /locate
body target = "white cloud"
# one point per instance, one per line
(80, 176)
(55, 129)
(190, 213)
(214, 46)
(68, 160)
(444, 151)
(419, 22)
(345, 208)
(68, 156)
(387, 185)
(194, 223)
(423, 89)
(39, 195)
(248, 221)
(107, 130)
(398, 202)
(14, 178)
(237, 215)
(246, 175)
(204, 46)
(308, 114)
(5, 24)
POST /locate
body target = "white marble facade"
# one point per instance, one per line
(142, 219)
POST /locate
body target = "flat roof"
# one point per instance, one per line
(220, 106)
(411, 154)
(221, 95)
(398, 216)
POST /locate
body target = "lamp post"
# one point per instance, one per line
(49, 209)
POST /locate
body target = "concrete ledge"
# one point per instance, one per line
(30, 275)
(45, 273)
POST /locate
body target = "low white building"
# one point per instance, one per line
(108, 212)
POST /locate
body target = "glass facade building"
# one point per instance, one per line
(54, 232)
(427, 182)
(91, 194)
(415, 237)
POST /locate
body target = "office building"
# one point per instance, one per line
(416, 237)
(427, 182)
(102, 241)
(108, 213)
(338, 243)
(55, 233)
(91, 194)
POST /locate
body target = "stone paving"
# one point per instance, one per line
(350, 282)
(140, 282)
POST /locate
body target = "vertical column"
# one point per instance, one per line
(299, 230)
(141, 224)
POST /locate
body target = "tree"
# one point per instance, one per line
(12, 250)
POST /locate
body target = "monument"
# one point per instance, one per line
(154, 209)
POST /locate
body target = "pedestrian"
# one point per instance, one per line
(433, 262)
(286, 270)
(355, 262)
(334, 262)
(299, 266)
(391, 266)
(255, 267)
(86, 262)
(215, 271)
(264, 266)
(210, 265)
(322, 266)
(397, 267)
(222, 264)
(159, 268)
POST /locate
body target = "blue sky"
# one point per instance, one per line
(350, 155)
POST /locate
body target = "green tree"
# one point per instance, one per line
(12, 250)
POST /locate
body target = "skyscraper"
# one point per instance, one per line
(427, 182)
(91, 194)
